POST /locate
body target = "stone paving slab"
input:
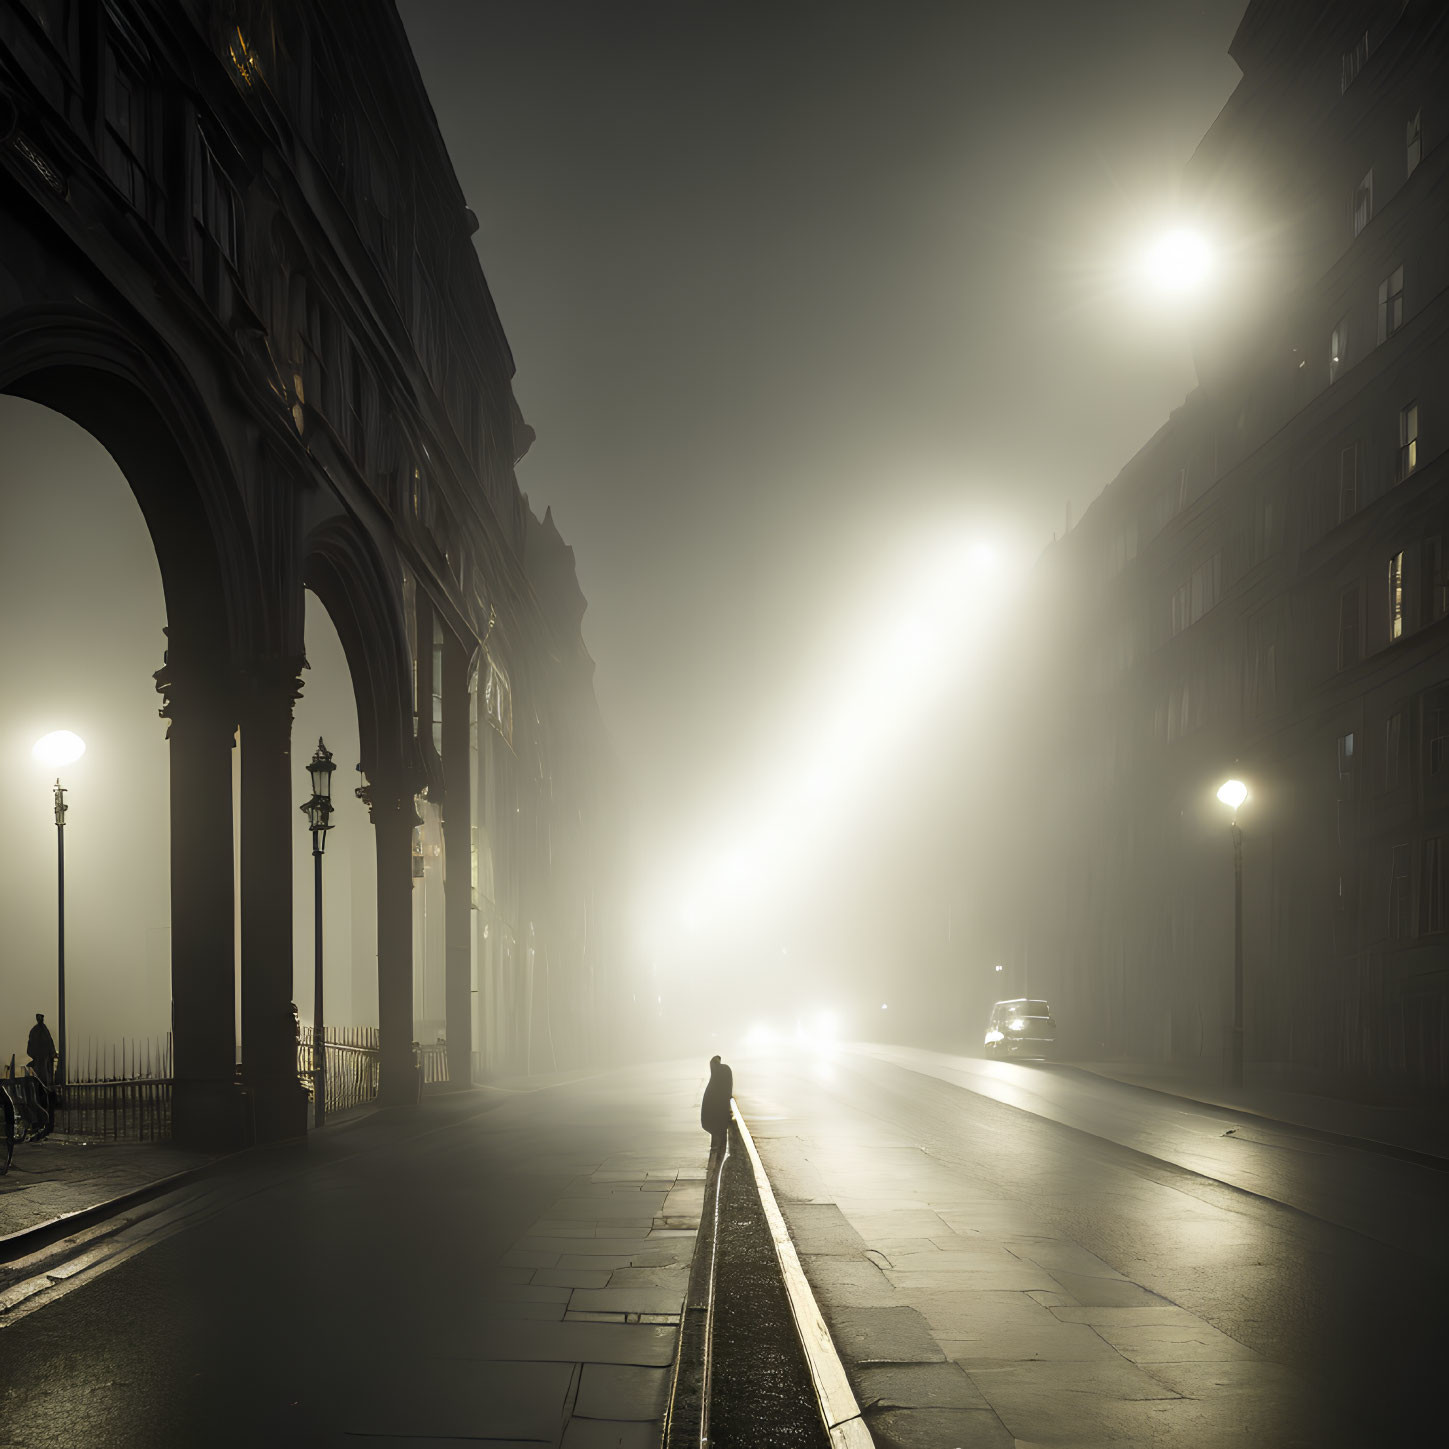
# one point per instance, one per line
(622, 1391)
(63, 1175)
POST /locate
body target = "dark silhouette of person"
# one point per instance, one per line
(715, 1114)
(40, 1047)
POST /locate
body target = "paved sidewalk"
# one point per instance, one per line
(1419, 1129)
(63, 1175)
(536, 1300)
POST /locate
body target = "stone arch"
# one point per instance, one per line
(362, 595)
(140, 406)
(149, 417)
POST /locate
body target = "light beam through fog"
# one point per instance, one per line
(928, 623)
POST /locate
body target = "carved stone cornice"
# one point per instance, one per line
(194, 699)
(267, 688)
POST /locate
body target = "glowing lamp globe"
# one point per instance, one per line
(1178, 261)
(1232, 793)
(59, 747)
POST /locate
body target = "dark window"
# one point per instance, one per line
(1393, 748)
(1436, 733)
(213, 200)
(1399, 922)
(1408, 440)
(1352, 62)
(1348, 628)
(1431, 885)
(1363, 202)
(125, 137)
(1436, 581)
(1347, 482)
(1391, 304)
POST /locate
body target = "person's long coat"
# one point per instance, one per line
(714, 1110)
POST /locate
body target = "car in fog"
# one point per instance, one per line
(1021, 1027)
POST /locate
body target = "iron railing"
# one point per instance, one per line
(117, 1091)
(353, 1055)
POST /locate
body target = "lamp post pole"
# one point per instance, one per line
(1232, 793)
(318, 811)
(60, 809)
(1237, 954)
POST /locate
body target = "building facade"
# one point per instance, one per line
(233, 248)
(1263, 593)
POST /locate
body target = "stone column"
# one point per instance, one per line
(278, 1101)
(457, 855)
(393, 818)
(206, 1103)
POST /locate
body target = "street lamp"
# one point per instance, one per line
(318, 811)
(59, 748)
(1232, 793)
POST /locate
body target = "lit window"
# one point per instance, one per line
(1408, 440)
(1414, 140)
(1396, 596)
(1347, 481)
(1338, 350)
(1363, 203)
(1352, 62)
(1391, 304)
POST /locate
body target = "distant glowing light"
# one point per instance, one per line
(1232, 793)
(998, 966)
(760, 1035)
(59, 747)
(883, 1006)
(1178, 261)
(1016, 1024)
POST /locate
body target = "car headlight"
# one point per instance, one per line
(992, 1036)
(1017, 1024)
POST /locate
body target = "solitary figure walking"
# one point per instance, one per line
(715, 1114)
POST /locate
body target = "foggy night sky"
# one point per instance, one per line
(792, 290)
(790, 285)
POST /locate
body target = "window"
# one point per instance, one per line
(1363, 202)
(1396, 596)
(1414, 141)
(125, 138)
(1393, 749)
(1345, 756)
(1347, 482)
(1352, 62)
(1181, 603)
(437, 686)
(1436, 730)
(1399, 893)
(1391, 304)
(1431, 885)
(213, 200)
(498, 701)
(1436, 579)
(1338, 350)
(1348, 628)
(1408, 440)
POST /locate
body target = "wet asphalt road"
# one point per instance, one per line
(1295, 1288)
(1322, 1267)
